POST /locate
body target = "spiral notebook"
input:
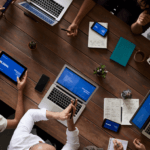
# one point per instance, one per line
(111, 144)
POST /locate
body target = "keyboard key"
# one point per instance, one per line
(61, 99)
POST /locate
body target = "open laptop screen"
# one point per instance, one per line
(76, 84)
(143, 113)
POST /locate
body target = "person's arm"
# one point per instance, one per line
(144, 19)
(138, 145)
(72, 133)
(85, 8)
(19, 109)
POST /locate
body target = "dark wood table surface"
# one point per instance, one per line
(54, 49)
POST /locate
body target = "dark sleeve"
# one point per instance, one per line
(146, 27)
(96, 1)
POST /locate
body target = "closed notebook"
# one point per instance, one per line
(122, 51)
(111, 144)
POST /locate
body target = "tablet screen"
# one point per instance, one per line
(10, 67)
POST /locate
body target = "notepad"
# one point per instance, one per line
(146, 34)
(122, 51)
(94, 39)
(119, 110)
(111, 144)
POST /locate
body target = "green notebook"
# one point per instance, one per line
(122, 51)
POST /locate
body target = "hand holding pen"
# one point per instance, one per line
(117, 145)
(73, 110)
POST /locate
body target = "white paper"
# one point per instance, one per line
(129, 108)
(146, 34)
(112, 109)
(111, 144)
(94, 39)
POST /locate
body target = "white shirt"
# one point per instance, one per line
(22, 139)
(3, 123)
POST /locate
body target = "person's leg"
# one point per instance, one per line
(6, 110)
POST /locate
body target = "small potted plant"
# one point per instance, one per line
(32, 45)
(101, 71)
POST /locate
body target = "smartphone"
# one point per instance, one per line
(42, 83)
(111, 125)
(6, 5)
(98, 28)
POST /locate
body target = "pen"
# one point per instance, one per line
(65, 30)
(30, 17)
(72, 110)
(117, 144)
(121, 114)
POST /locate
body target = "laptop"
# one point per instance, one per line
(69, 85)
(50, 11)
(141, 118)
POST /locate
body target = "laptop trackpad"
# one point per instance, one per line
(56, 109)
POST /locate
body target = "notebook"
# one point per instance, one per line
(119, 110)
(122, 51)
(94, 39)
(111, 144)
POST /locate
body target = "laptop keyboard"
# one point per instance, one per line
(148, 130)
(61, 99)
(49, 5)
(38, 13)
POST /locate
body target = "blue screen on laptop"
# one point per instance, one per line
(111, 125)
(142, 114)
(10, 67)
(76, 84)
(100, 29)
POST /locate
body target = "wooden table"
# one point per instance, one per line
(54, 49)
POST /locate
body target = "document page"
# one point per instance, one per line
(129, 108)
(112, 109)
(111, 144)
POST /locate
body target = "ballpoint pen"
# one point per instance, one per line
(72, 110)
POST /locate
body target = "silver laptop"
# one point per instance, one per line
(141, 118)
(50, 11)
(69, 85)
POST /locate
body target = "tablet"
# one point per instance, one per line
(11, 68)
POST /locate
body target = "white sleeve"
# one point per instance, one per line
(72, 140)
(31, 116)
(3, 123)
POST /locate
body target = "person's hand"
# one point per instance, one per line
(73, 30)
(2, 8)
(73, 108)
(65, 114)
(21, 84)
(143, 19)
(138, 145)
(13, 2)
(117, 145)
